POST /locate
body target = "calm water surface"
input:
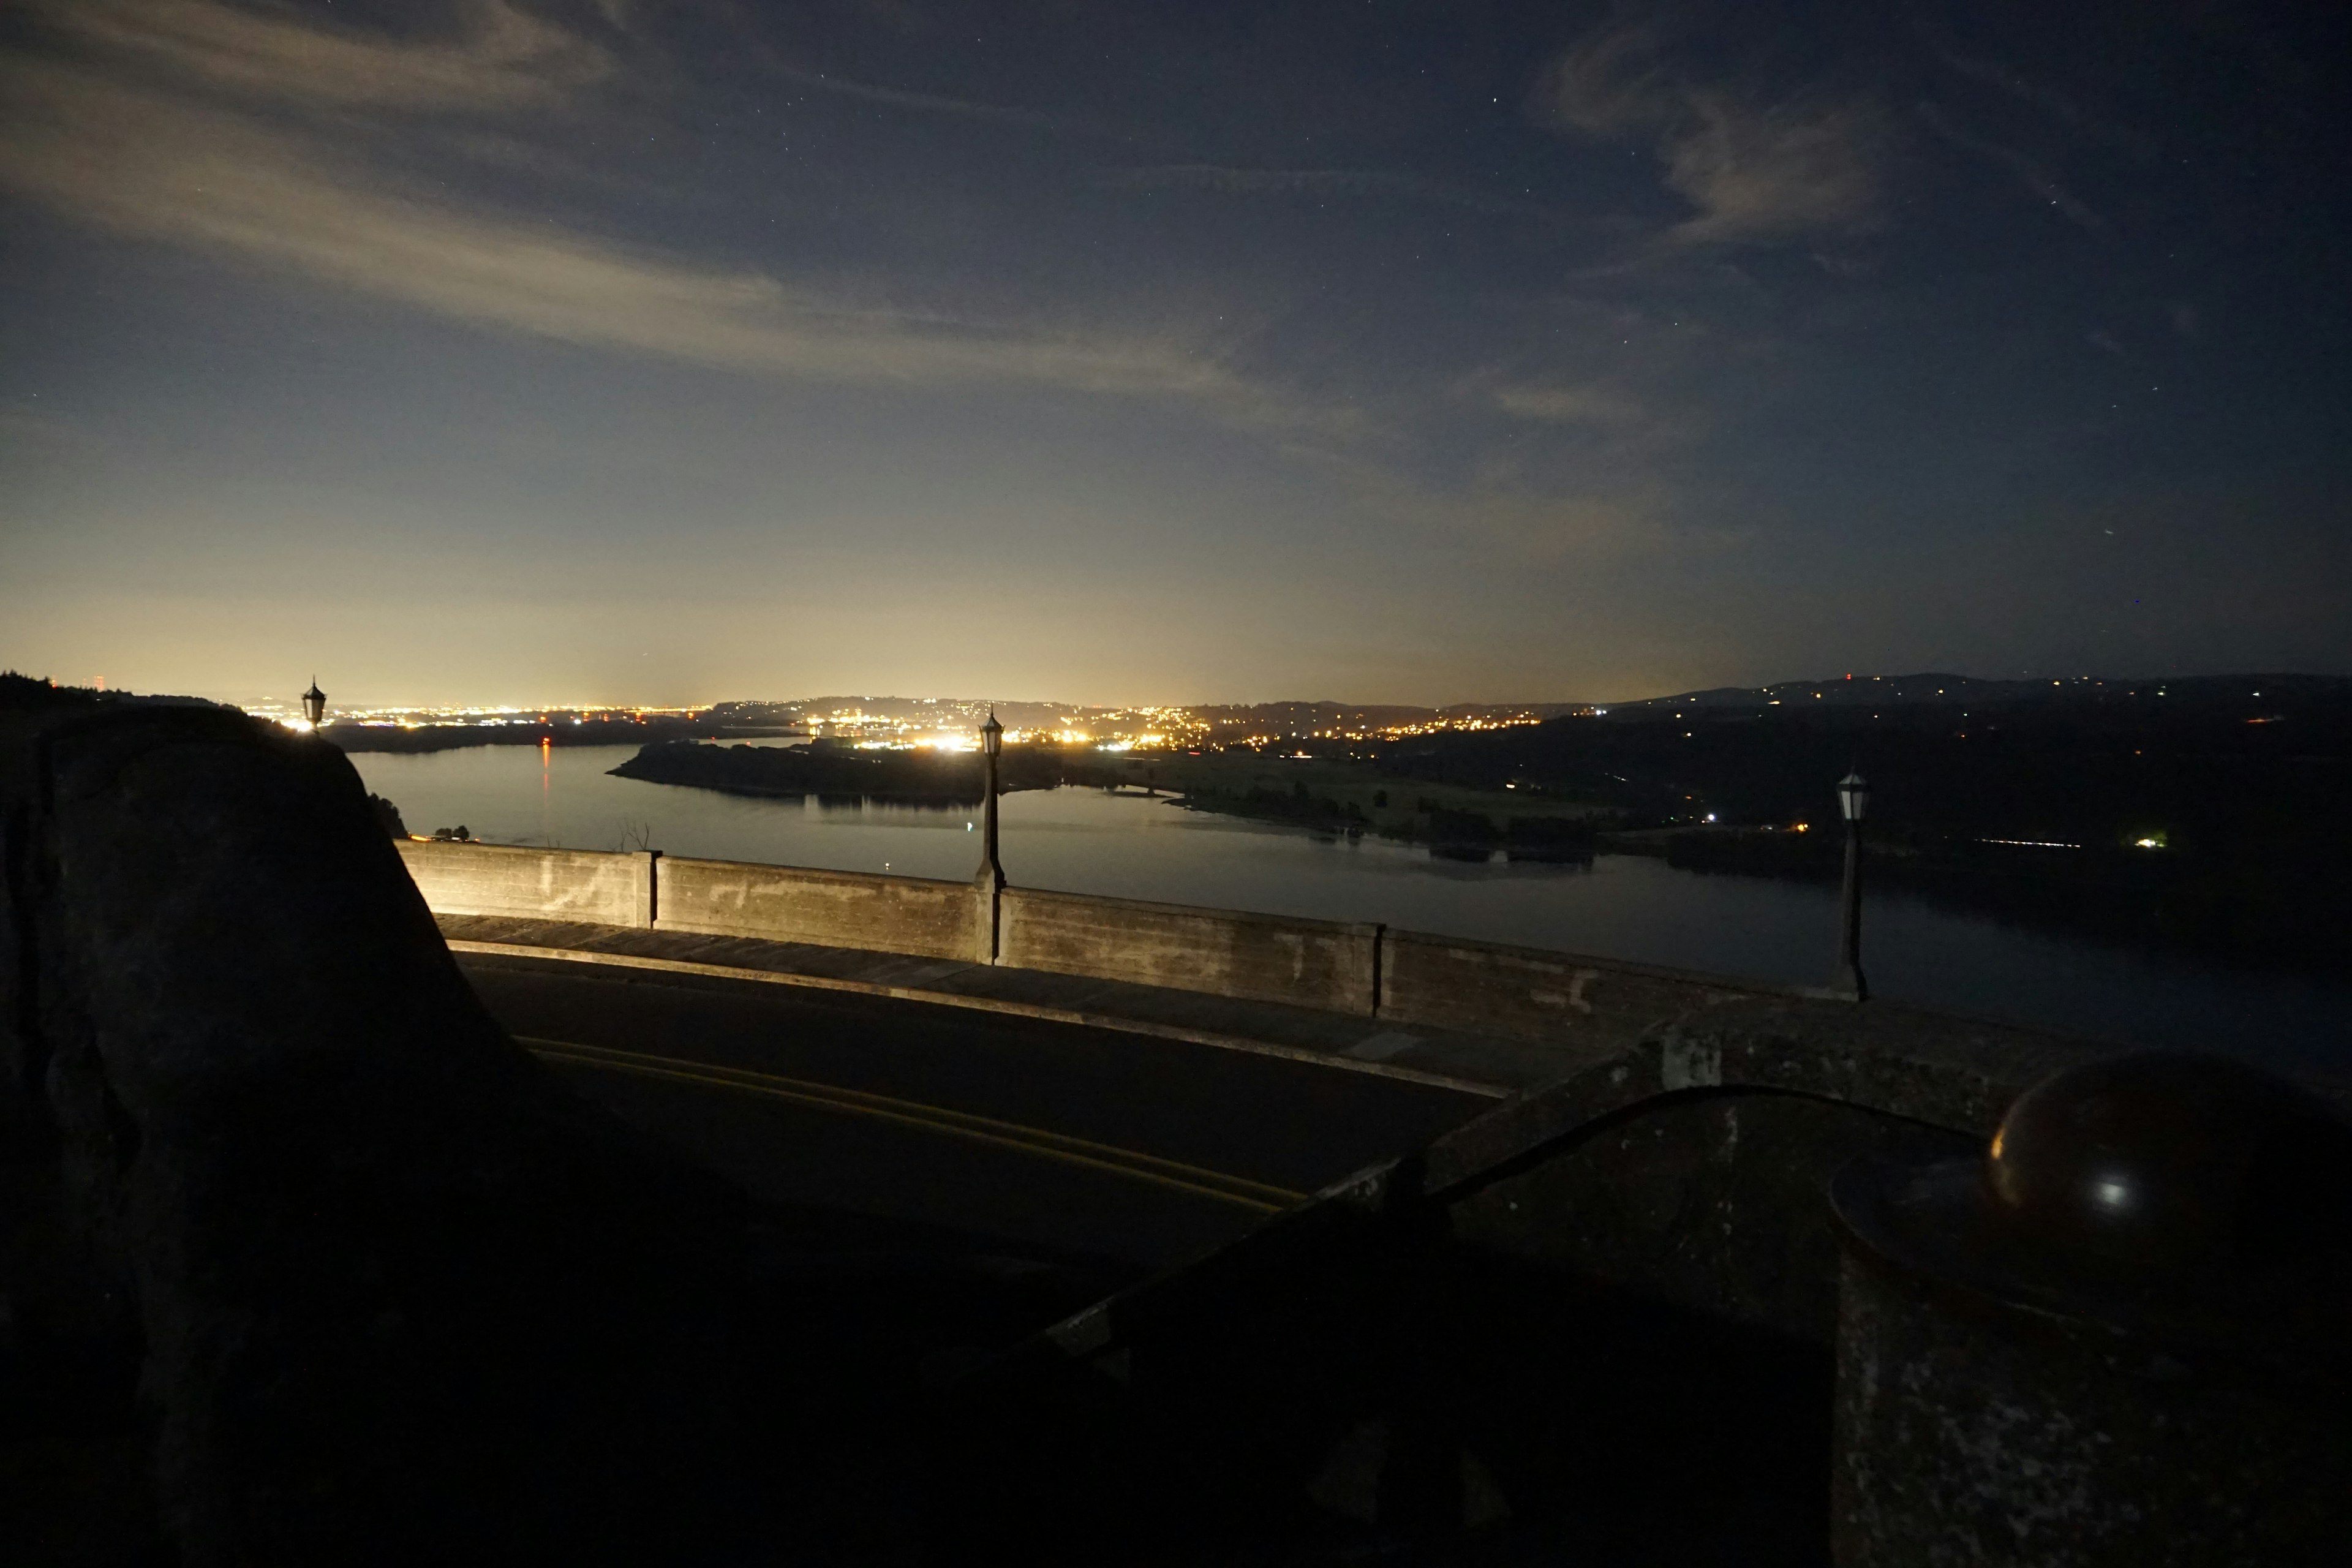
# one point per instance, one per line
(1623, 906)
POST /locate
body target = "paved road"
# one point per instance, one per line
(1052, 1138)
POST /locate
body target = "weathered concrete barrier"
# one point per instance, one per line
(546, 884)
(830, 909)
(1266, 958)
(1412, 977)
(1526, 993)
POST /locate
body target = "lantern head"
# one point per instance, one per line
(1854, 797)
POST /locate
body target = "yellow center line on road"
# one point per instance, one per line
(1035, 1141)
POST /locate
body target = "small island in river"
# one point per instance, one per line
(828, 768)
(1236, 783)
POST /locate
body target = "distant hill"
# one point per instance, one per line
(1968, 691)
(29, 692)
(2204, 813)
(1303, 717)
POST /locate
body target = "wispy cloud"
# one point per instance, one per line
(1803, 167)
(2044, 182)
(750, 35)
(1778, 173)
(939, 103)
(1343, 182)
(176, 167)
(500, 57)
(1589, 405)
(2041, 96)
(156, 170)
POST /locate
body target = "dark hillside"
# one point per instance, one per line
(2212, 810)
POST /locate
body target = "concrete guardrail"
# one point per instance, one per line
(1447, 981)
(541, 884)
(1263, 958)
(831, 908)
(1368, 970)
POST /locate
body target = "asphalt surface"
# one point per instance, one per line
(1050, 1139)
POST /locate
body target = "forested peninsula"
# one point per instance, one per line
(920, 777)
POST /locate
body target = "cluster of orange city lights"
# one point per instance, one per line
(954, 725)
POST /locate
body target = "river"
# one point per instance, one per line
(1623, 906)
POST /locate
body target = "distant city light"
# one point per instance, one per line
(952, 725)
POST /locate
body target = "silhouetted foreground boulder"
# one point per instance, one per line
(384, 1291)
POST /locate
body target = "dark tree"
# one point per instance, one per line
(387, 815)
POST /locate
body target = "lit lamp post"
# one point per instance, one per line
(314, 704)
(992, 744)
(990, 875)
(1854, 799)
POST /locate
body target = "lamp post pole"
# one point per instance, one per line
(990, 875)
(1846, 982)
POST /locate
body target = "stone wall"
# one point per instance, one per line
(1527, 992)
(1266, 958)
(1412, 977)
(831, 908)
(548, 884)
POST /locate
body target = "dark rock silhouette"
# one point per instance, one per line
(347, 1276)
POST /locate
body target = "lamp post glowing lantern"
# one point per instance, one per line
(990, 875)
(1847, 983)
(314, 704)
(1854, 797)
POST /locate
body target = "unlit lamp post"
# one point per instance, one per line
(314, 704)
(1854, 799)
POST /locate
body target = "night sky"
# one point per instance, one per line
(491, 352)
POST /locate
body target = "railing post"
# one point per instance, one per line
(649, 891)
